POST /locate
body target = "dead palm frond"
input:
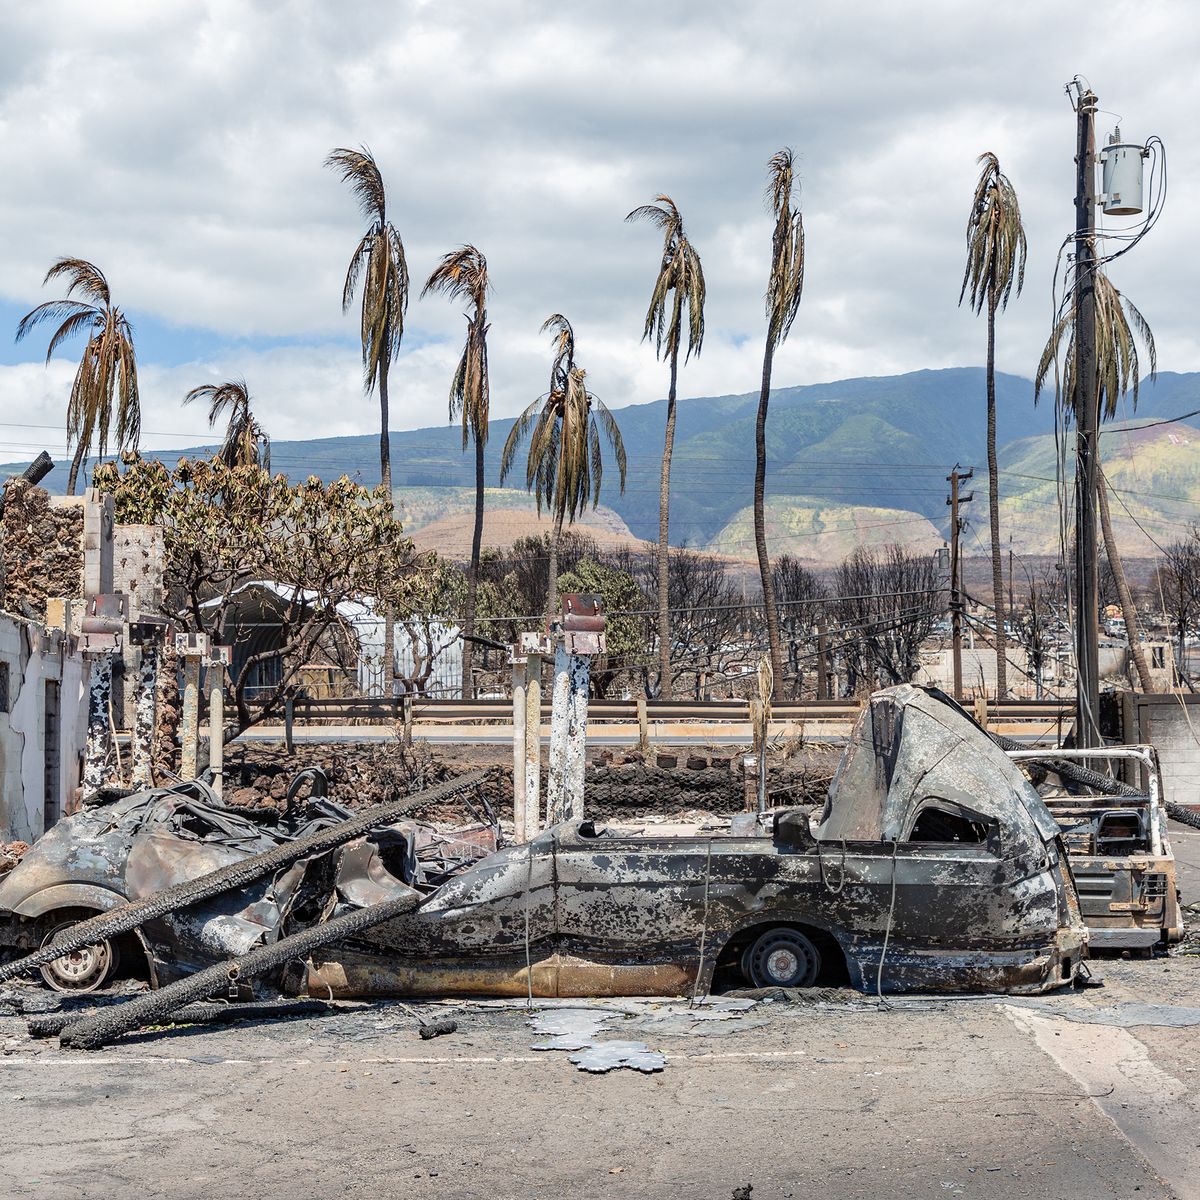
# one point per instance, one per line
(246, 443)
(785, 286)
(463, 275)
(996, 252)
(1119, 328)
(107, 371)
(566, 427)
(996, 244)
(378, 262)
(678, 285)
(786, 283)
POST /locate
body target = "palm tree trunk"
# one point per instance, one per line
(76, 463)
(468, 655)
(760, 523)
(998, 604)
(1128, 612)
(552, 588)
(385, 476)
(664, 510)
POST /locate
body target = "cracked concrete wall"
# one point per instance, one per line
(35, 657)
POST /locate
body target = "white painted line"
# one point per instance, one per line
(111, 1060)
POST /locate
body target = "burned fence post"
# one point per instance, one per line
(99, 741)
(643, 726)
(147, 636)
(582, 636)
(406, 720)
(102, 630)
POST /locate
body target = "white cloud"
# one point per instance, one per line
(180, 147)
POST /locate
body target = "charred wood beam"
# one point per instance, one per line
(206, 1012)
(98, 1030)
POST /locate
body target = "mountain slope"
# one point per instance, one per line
(881, 444)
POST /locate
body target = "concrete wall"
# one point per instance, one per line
(35, 658)
(1171, 724)
(138, 562)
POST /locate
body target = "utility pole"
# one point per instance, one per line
(1087, 608)
(956, 606)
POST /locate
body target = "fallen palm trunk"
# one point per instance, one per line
(153, 1008)
(206, 1012)
(134, 913)
(1075, 772)
(1188, 816)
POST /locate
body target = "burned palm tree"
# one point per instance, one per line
(107, 371)
(679, 285)
(565, 466)
(378, 262)
(246, 442)
(463, 275)
(996, 250)
(784, 288)
(1119, 329)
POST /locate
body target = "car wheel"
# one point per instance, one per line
(781, 958)
(85, 970)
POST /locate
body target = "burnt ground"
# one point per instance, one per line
(1095, 1094)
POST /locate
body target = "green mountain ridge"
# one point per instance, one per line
(881, 444)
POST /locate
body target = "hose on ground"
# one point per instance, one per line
(102, 1027)
(206, 1012)
(130, 915)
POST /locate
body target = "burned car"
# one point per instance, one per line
(140, 845)
(934, 866)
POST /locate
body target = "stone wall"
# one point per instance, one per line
(617, 787)
(41, 549)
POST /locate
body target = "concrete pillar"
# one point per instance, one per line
(144, 713)
(99, 731)
(215, 678)
(189, 725)
(518, 699)
(533, 748)
(568, 736)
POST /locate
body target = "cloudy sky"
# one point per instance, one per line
(179, 147)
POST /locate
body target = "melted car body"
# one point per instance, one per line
(934, 866)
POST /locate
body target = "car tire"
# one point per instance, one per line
(781, 958)
(81, 971)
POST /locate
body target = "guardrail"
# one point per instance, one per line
(435, 711)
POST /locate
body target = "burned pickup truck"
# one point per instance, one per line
(934, 866)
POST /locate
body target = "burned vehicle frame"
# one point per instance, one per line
(1118, 848)
(934, 866)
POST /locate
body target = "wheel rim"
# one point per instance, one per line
(782, 958)
(83, 970)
